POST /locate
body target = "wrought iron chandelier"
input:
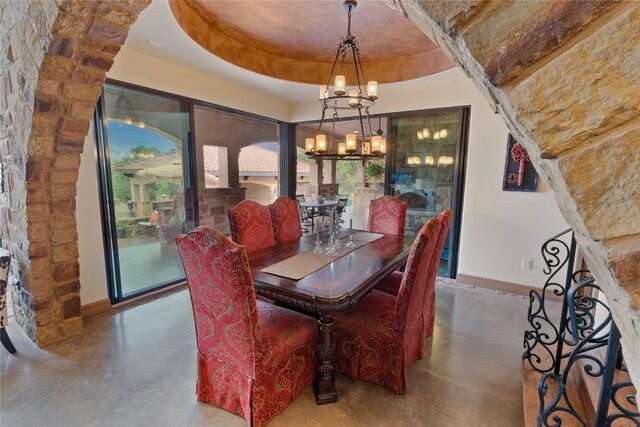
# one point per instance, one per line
(360, 97)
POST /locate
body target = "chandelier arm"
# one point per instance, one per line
(333, 68)
(333, 129)
(358, 66)
(369, 123)
(324, 108)
(361, 123)
(130, 108)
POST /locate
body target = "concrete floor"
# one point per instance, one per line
(137, 368)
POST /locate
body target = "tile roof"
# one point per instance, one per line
(253, 161)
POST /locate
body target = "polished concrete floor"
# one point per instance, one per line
(137, 368)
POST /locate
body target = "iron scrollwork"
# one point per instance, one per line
(542, 340)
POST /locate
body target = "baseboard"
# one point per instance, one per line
(95, 308)
(501, 286)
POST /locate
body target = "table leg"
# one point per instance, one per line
(325, 388)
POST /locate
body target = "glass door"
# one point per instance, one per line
(144, 174)
(426, 170)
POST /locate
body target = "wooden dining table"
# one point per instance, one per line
(329, 290)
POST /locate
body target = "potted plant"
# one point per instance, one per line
(174, 226)
(122, 229)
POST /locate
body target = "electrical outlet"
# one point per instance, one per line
(526, 263)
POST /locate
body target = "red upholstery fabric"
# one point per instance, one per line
(429, 314)
(286, 219)
(391, 284)
(381, 337)
(387, 215)
(251, 226)
(253, 358)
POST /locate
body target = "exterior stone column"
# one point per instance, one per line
(329, 171)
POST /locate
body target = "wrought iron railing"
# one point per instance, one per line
(564, 339)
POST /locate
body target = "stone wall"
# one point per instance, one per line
(54, 59)
(214, 203)
(564, 75)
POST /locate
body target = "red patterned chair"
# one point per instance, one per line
(381, 337)
(254, 358)
(387, 215)
(391, 284)
(251, 226)
(430, 293)
(285, 216)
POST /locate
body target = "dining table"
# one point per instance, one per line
(318, 208)
(282, 274)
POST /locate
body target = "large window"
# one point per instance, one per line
(360, 181)
(427, 168)
(237, 158)
(143, 152)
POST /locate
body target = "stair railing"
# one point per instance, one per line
(557, 351)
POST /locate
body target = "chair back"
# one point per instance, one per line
(445, 223)
(342, 203)
(286, 219)
(387, 215)
(300, 198)
(409, 305)
(222, 297)
(251, 225)
(5, 261)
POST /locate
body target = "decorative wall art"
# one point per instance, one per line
(519, 173)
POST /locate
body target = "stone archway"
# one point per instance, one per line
(564, 75)
(54, 62)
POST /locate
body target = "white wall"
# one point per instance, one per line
(93, 274)
(499, 228)
(134, 67)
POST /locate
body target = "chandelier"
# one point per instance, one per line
(359, 97)
(130, 116)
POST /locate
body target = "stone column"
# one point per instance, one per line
(223, 167)
(233, 167)
(329, 172)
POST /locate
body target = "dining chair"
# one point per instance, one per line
(430, 292)
(341, 206)
(254, 358)
(285, 216)
(5, 261)
(380, 338)
(391, 284)
(387, 215)
(251, 225)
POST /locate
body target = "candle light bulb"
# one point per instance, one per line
(436, 135)
(429, 160)
(372, 89)
(324, 92)
(309, 145)
(342, 148)
(419, 134)
(443, 133)
(321, 143)
(366, 147)
(375, 144)
(351, 143)
(425, 132)
(353, 98)
(340, 85)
